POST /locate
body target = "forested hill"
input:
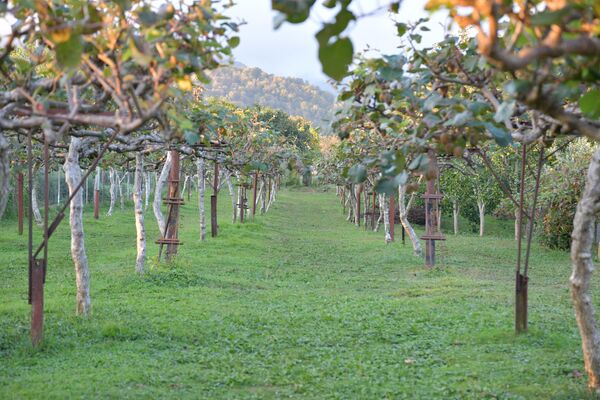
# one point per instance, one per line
(247, 86)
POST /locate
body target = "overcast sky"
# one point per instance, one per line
(292, 49)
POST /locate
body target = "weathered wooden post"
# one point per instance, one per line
(432, 230)
(20, 210)
(214, 227)
(255, 185)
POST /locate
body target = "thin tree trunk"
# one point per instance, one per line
(517, 227)
(113, 191)
(232, 196)
(358, 192)
(120, 181)
(147, 188)
(455, 214)
(263, 197)
(58, 187)
(200, 165)
(481, 207)
(383, 204)
(160, 182)
(73, 176)
(37, 215)
(185, 182)
(139, 214)
(4, 173)
(583, 266)
(404, 208)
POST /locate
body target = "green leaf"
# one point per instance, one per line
(460, 119)
(386, 185)
(505, 111)
(357, 173)
(234, 42)
(296, 11)
(500, 135)
(68, 54)
(590, 104)
(402, 29)
(336, 58)
(548, 17)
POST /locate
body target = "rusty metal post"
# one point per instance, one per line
(432, 229)
(37, 300)
(214, 226)
(96, 204)
(20, 210)
(392, 215)
(254, 194)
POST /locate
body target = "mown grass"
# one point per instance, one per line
(298, 303)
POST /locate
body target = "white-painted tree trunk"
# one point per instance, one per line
(201, 167)
(185, 183)
(404, 208)
(138, 207)
(455, 214)
(120, 186)
(583, 267)
(160, 183)
(517, 227)
(385, 207)
(231, 196)
(147, 188)
(58, 179)
(73, 176)
(263, 197)
(357, 194)
(112, 190)
(481, 207)
(4, 173)
(37, 215)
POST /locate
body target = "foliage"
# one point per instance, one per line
(562, 185)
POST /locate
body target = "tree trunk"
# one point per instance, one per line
(4, 173)
(120, 181)
(147, 188)
(58, 187)
(358, 189)
(455, 214)
(139, 214)
(263, 199)
(386, 217)
(403, 207)
(113, 190)
(37, 215)
(581, 257)
(73, 176)
(200, 165)
(97, 193)
(185, 182)
(481, 207)
(517, 227)
(232, 196)
(160, 183)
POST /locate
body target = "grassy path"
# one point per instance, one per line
(298, 303)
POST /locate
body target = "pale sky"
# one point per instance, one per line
(292, 49)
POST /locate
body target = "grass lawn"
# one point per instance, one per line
(298, 303)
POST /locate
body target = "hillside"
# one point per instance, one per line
(247, 86)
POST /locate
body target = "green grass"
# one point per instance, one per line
(298, 303)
